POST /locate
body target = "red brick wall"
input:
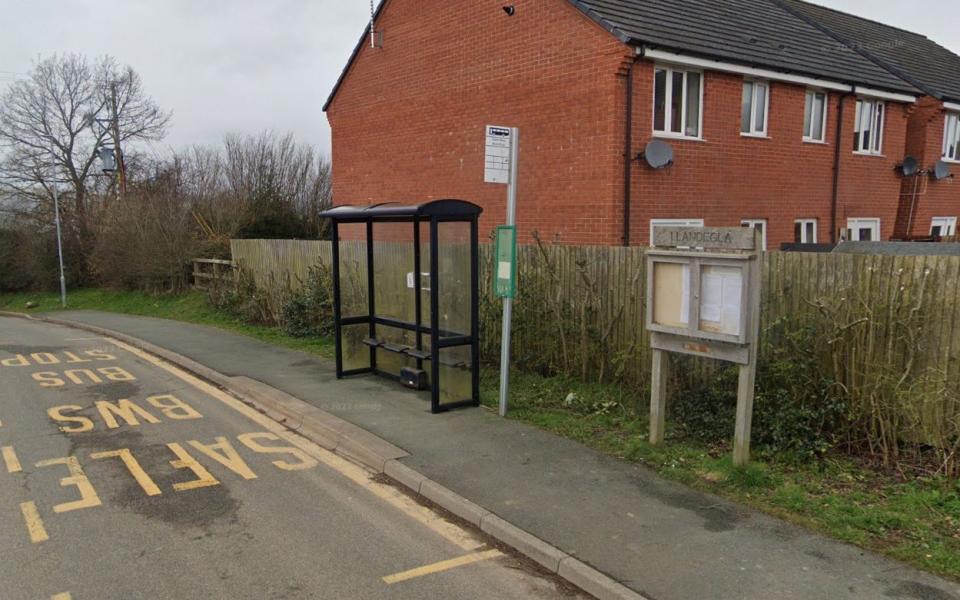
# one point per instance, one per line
(870, 185)
(408, 125)
(728, 177)
(408, 122)
(926, 197)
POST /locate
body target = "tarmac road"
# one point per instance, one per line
(122, 477)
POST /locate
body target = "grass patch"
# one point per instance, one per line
(191, 307)
(916, 521)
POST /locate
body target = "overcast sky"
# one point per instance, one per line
(250, 65)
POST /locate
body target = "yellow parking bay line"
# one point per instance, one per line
(63, 596)
(38, 533)
(439, 567)
(11, 460)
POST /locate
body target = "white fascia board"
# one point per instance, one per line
(715, 65)
(951, 106)
(881, 95)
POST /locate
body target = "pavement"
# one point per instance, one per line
(658, 538)
(122, 477)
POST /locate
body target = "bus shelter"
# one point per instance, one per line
(406, 296)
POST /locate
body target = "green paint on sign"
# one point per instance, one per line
(505, 262)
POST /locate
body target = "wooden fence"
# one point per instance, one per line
(888, 326)
(210, 271)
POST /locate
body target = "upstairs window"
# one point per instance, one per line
(677, 102)
(868, 131)
(753, 114)
(951, 137)
(815, 117)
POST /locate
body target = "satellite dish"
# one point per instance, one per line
(658, 154)
(910, 166)
(941, 170)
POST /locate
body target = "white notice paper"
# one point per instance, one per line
(504, 270)
(721, 297)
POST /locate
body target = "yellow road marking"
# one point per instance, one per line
(134, 467)
(78, 479)
(63, 596)
(38, 533)
(185, 461)
(356, 474)
(439, 567)
(11, 460)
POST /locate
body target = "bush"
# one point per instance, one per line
(309, 312)
(798, 411)
(243, 300)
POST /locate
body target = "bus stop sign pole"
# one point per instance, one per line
(502, 151)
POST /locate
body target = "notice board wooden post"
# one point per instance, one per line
(703, 299)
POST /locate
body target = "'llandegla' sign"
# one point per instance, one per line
(720, 238)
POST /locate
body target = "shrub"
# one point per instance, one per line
(309, 312)
(798, 413)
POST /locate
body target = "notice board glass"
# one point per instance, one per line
(721, 299)
(671, 284)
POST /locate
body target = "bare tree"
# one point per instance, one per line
(48, 133)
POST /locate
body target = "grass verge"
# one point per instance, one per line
(191, 307)
(917, 521)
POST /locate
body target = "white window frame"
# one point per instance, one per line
(803, 223)
(809, 100)
(951, 128)
(752, 130)
(878, 121)
(854, 224)
(752, 223)
(668, 107)
(654, 223)
(948, 225)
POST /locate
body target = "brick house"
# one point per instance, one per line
(927, 205)
(770, 113)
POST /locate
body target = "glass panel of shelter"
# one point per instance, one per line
(354, 293)
(454, 310)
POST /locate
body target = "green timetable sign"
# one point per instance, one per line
(505, 262)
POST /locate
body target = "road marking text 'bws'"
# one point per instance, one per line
(52, 379)
(48, 358)
(169, 406)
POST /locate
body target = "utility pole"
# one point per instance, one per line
(63, 279)
(115, 134)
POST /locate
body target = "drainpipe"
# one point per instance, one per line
(913, 202)
(835, 200)
(628, 150)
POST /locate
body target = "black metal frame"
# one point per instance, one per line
(434, 213)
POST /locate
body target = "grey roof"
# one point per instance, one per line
(757, 33)
(913, 57)
(899, 248)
